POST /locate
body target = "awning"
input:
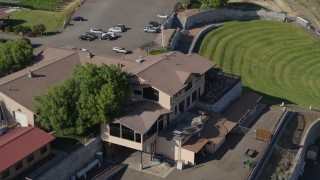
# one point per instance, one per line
(195, 144)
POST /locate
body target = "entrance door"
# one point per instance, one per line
(21, 118)
(181, 106)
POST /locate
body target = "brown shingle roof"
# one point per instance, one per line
(3, 14)
(141, 115)
(46, 74)
(163, 75)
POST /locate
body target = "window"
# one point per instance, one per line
(189, 86)
(175, 110)
(198, 92)
(43, 150)
(168, 120)
(114, 129)
(151, 94)
(5, 174)
(151, 132)
(194, 96)
(137, 92)
(160, 125)
(30, 158)
(138, 137)
(188, 101)
(19, 165)
(127, 133)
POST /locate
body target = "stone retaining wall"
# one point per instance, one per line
(218, 15)
(175, 40)
(312, 134)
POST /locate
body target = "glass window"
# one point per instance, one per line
(188, 101)
(114, 129)
(5, 174)
(194, 96)
(30, 158)
(43, 150)
(127, 133)
(150, 93)
(138, 137)
(137, 92)
(175, 110)
(19, 165)
(160, 125)
(189, 86)
(151, 132)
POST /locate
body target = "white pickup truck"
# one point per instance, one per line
(119, 50)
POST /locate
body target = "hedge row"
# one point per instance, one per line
(36, 30)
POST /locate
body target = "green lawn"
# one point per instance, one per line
(52, 20)
(279, 60)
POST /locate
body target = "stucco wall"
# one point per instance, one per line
(225, 101)
(228, 15)
(11, 106)
(312, 134)
(67, 167)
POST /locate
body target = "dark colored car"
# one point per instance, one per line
(106, 37)
(86, 37)
(90, 34)
(154, 24)
(78, 18)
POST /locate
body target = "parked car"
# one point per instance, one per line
(116, 29)
(112, 34)
(122, 26)
(106, 36)
(154, 24)
(90, 34)
(150, 29)
(119, 50)
(86, 37)
(164, 16)
(97, 31)
(78, 18)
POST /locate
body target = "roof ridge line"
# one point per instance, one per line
(41, 65)
(33, 127)
(157, 62)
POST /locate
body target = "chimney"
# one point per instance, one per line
(30, 74)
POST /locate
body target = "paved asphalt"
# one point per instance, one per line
(104, 14)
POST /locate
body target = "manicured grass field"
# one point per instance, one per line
(52, 20)
(278, 60)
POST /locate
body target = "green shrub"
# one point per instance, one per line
(26, 29)
(17, 29)
(160, 51)
(39, 29)
(8, 29)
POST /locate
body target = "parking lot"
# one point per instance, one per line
(103, 14)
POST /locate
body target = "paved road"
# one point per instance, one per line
(104, 14)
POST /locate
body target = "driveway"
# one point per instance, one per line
(104, 14)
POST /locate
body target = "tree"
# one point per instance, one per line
(94, 95)
(14, 55)
(210, 4)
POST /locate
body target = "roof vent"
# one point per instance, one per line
(30, 74)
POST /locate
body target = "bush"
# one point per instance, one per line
(17, 29)
(26, 30)
(8, 29)
(39, 29)
(30, 34)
